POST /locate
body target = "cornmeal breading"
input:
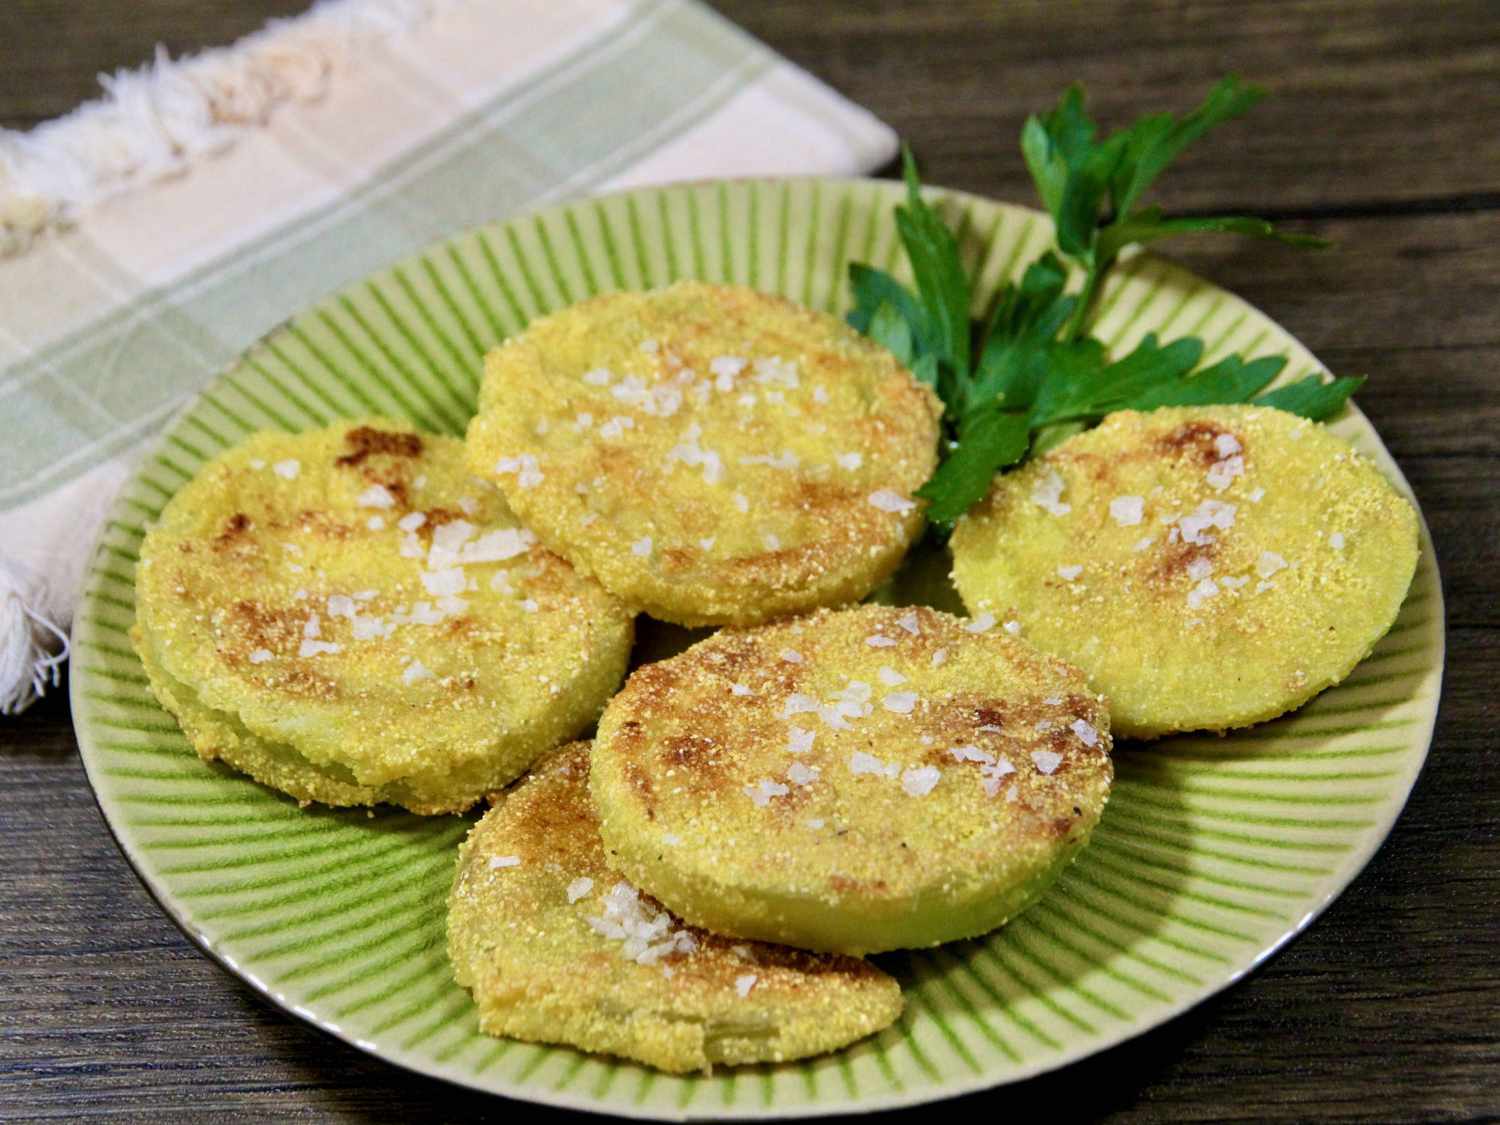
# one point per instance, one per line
(557, 948)
(348, 616)
(853, 781)
(713, 455)
(1206, 567)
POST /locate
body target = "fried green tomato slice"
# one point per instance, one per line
(557, 948)
(1207, 567)
(713, 455)
(346, 615)
(852, 781)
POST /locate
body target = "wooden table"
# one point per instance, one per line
(1383, 137)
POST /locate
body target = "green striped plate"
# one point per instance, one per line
(1212, 854)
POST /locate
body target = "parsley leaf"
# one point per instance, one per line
(989, 440)
(1076, 176)
(1026, 376)
(1311, 397)
(940, 274)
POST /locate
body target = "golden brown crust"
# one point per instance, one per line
(356, 620)
(798, 782)
(680, 999)
(725, 473)
(1250, 560)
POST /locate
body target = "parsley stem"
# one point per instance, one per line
(1079, 318)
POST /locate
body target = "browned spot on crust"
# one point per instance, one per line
(234, 528)
(640, 781)
(259, 627)
(1193, 439)
(366, 440)
(820, 496)
(648, 683)
(700, 762)
(1173, 559)
(322, 523)
(678, 560)
(691, 750)
(1060, 826)
(842, 884)
(438, 516)
(551, 574)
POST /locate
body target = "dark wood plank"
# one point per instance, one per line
(1375, 100)
(1381, 137)
(51, 53)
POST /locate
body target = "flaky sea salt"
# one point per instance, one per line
(376, 496)
(646, 935)
(1222, 473)
(799, 774)
(993, 773)
(1195, 526)
(920, 780)
(440, 582)
(1269, 563)
(900, 702)
(1127, 511)
(862, 763)
(889, 501)
(763, 790)
(1047, 492)
(1046, 761)
(497, 546)
(1085, 732)
(1200, 593)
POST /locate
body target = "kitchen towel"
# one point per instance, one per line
(148, 238)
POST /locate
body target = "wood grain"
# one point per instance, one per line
(1381, 137)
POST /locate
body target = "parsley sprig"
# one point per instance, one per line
(1028, 375)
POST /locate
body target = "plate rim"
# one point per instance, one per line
(81, 709)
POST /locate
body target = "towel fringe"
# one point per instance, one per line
(32, 650)
(156, 120)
